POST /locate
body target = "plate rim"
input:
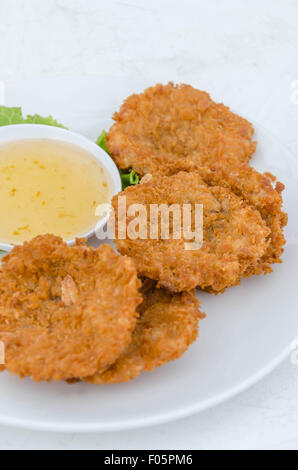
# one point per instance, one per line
(165, 418)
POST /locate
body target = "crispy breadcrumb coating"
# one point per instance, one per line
(167, 326)
(65, 312)
(256, 189)
(177, 127)
(234, 239)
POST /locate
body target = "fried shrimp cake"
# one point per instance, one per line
(177, 127)
(65, 312)
(234, 235)
(259, 191)
(167, 326)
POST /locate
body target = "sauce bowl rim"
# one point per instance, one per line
(15, 132)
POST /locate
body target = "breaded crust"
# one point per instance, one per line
(258, 190)
(65, 312)
(235, 236)
(167, 326)
(177, 127)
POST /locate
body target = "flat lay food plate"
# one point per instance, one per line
(248, 331)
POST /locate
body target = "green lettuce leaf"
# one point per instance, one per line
(15, 116)
(48, 121)
(129, 178)
(10, 116)
(101, 141)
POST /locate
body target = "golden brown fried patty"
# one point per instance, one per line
(235, 236)
(65, 312)
(167, 326)
(176, 127)
(257, 190)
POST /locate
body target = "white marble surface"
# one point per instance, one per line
(247, 47)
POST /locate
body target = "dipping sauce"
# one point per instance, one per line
(48, 186)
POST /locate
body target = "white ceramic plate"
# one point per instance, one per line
(248, 330)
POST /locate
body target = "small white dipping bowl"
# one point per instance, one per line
(38, 131)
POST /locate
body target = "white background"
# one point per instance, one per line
(248, 49)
